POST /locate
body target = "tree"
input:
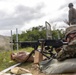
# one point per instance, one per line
(37, 33)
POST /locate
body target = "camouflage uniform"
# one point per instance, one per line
(72, 14)
(68, 51)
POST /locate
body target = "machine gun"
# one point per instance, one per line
(47, 46)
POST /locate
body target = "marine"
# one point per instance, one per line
(68, 51)
(72, 14)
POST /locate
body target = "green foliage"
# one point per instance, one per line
(36, 33)
(32, 34)
(57, 34)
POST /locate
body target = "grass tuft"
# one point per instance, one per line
(5, 59)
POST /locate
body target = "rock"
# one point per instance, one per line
(27, 74)
(14, 74)
(4, 73)
(21, 57)
(19, 70)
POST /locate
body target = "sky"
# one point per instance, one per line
(25, 14)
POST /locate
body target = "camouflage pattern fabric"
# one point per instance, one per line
(70, 29)
(68, 51)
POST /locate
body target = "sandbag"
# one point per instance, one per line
(56, 67)
(21, 57)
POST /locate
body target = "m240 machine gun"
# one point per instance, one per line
(47, 46)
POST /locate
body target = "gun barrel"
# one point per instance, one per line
(24, 44)
(33, 44)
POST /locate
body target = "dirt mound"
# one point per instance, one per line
(5, 43)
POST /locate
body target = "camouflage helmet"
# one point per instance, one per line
(69, 30)
(70, 5)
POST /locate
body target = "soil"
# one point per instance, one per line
(33, 68)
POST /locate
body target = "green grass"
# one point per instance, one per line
(5, 60)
